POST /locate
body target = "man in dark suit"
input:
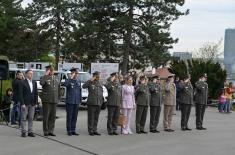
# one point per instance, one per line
(28, 100)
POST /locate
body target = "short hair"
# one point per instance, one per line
(9, 89)
(28, 71)
(18, 72)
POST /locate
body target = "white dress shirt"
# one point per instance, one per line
(30, 85)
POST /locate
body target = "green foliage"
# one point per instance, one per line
(195, 67)
(5, 85)
(141, 27)
(55, 20)
(134, 33)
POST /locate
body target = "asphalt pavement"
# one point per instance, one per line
(219, 138)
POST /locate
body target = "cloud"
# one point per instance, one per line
(207, 21)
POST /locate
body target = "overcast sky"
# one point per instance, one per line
(206, 22)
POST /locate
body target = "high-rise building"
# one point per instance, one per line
(182, 55)
(229, 52)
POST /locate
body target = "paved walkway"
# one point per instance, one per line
(217, 140)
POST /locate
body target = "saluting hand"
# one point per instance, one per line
(112, 78)
(47, 72)
(72, 75)
(93, 78)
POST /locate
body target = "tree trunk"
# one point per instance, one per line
(127, 43)
(57, 46)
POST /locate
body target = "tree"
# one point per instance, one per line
(55, 20)
(11, 27)
(140, 27)
(209, 51)
(195, 67)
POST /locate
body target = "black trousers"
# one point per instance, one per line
(185, 114)
(140, 118)
(93, 112)
(200, 111)
(155, 112)
(113, 115)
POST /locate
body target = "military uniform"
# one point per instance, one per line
(186, 102)
(142, 100)
(94, 102)
(169, 105)
(201, 95)
(50, 98)
(155, 105)
(73, 100)
(113, 105)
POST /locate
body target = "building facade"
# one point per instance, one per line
(229, 52)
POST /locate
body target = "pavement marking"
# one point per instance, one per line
(55, 140)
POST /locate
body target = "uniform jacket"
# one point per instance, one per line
(74, 94)
(186, 93)
(201, 92)
(170, 96)
(142, 95)
(114, 93)
(95, 90)
(156, 94)
(50, 89)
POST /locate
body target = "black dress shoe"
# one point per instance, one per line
(23, 135)
(97, 134)
(202, 128)
(183, 129)
(46, 134)
(69, 134)
(171, 130)
(153, 131)
(199, 128)
(157, 131)
(144, 132)
(167, 130)
(31, 134)
(188, 129)
(75, 134)
(91, 134)
(52, 134)
(115, 133)
(138, 132)
(111, 134)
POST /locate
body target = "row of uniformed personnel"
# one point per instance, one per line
(146, 94)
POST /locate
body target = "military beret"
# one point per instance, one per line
(96, 73)
(49, 67)
(73, 69)
(113, 74)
